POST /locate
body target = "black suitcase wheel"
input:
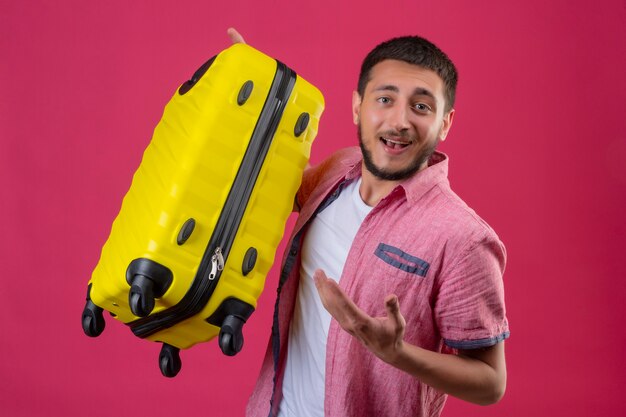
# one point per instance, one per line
(141, 296)
(231, 336)
(169, 360)
(93, 320)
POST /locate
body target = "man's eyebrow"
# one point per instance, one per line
(419, 91)
(387, 87)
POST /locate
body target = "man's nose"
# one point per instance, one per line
(399, 118)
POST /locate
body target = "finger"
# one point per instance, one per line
(320, 279)
(329, 291)
(392, 305)
(338, 304)
(321, 283)
(235, 37)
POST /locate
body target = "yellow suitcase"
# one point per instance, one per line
(198, 229)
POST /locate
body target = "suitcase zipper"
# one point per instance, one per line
(217, 263)
(227, 225)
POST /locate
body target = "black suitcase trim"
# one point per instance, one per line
(227, 225)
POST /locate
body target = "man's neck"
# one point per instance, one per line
(374, 189)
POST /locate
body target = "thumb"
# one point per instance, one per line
(393, 310)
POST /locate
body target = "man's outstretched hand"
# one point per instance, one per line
(381, 335)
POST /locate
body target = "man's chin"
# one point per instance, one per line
(397, 174)
(389, 174)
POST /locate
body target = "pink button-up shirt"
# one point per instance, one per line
(422, 243)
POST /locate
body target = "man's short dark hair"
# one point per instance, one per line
(417, 51)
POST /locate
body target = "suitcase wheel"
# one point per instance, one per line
(93, 321)
(169, 360)
(148, 280)
(141, 296)
(231, 336)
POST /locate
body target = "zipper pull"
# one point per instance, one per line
(217, 263)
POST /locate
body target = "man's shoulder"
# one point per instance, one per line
(336, 164)
(345, 156)
(457, 216)
(317, 179)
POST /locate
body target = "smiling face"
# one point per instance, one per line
(401, 118)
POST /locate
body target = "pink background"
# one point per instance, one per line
(537, 148)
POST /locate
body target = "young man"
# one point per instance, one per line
(415, 287)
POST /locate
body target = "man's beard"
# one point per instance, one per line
(401, 174)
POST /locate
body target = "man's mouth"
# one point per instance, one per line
(395, 143)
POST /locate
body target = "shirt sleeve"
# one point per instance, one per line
(319, 173)
(469, 309)
(310, 178)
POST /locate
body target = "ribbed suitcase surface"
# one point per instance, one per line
(198, 229)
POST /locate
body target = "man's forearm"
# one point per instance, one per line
(477, 376)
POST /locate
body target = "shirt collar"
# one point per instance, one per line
(419, 184)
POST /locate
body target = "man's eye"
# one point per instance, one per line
(421, 107)
(384, 100)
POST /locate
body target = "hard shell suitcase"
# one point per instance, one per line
(198, 229)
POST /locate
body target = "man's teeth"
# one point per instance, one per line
(394, 144)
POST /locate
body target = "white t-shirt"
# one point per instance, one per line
(325, 247)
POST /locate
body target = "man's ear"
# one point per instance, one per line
(356, 107)
(447, 124)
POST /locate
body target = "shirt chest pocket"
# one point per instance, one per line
(402, 262)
